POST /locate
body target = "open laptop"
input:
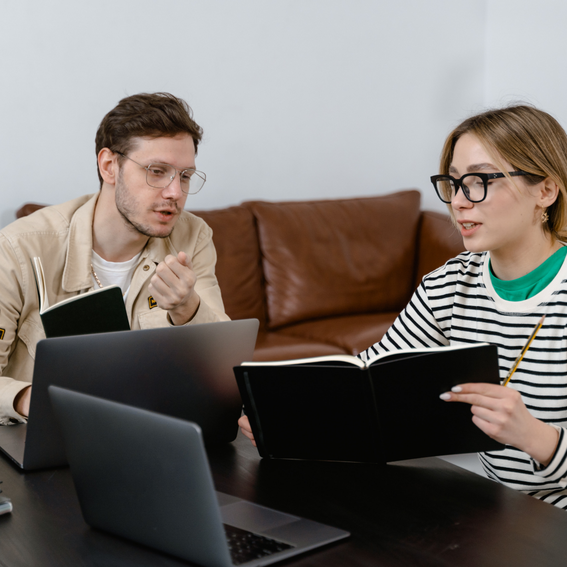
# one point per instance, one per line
(183, 371)
(145, 477)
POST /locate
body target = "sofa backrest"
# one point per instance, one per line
(293, 261)
(333, 257)
(28, 208)
(239, 268)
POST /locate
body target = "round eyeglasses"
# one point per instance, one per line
(161, 175)
(474, 185)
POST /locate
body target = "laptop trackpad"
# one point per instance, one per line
(253, 517)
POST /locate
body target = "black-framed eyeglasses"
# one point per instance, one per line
(161, 175)
(474, 185)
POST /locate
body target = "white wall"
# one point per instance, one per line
(527, 54)
(298, 99)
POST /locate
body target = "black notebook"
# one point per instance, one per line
(338, 408)
(98, 311)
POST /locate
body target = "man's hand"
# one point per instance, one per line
(244, 423)
(173, 288)
(22, 401)
(500, 412)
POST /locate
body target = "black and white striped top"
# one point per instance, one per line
(457, 304)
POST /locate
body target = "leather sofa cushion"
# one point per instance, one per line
(238, 269)
(337, 257)
(277, 346)
(352, 333)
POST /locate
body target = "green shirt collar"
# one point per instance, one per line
(531, 284)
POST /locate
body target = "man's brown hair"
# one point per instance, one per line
(149, 115)
(530, 140)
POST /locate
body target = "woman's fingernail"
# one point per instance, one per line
(456, 389)
(445, 396)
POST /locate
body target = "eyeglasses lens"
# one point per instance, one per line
(445, 189)
(161, 175)
(192, 181)
(473, 188)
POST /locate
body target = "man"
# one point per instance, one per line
(133, 232)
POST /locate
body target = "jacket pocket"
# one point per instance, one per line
(153, 319)
(31, 332)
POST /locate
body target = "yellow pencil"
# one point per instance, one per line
(524, 350)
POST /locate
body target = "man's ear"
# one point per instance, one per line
(108, 166)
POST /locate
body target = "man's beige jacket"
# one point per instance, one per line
(62, 237)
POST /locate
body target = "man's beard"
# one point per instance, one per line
(125, 204)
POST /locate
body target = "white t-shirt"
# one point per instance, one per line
(117, 273)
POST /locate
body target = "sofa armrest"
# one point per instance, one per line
(437, 241)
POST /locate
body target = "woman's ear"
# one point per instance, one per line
(548, 193)
(108, 166)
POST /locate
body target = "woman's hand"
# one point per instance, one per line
(244, 423)
(500, 412)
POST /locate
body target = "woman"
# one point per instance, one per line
(504, 177)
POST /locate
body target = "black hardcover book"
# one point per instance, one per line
(338, 408)
(98, 311)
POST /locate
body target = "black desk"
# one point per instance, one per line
(423, 512)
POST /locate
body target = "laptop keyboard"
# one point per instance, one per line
(245, 546)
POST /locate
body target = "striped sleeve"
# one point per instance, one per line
(556, 470)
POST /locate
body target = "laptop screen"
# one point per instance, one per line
(184, 372)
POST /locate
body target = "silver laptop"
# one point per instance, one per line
(185, 372)
(145, 477)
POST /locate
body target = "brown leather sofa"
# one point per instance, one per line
(324, 276)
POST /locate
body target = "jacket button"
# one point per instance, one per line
(146, 268)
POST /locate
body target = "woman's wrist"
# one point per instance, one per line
(543, 443)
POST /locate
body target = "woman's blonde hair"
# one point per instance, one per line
(530, 140)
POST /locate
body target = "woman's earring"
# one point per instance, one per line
(544, 216)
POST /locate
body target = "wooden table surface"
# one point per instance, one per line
(425, 512)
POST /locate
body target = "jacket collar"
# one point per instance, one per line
(77, 272)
